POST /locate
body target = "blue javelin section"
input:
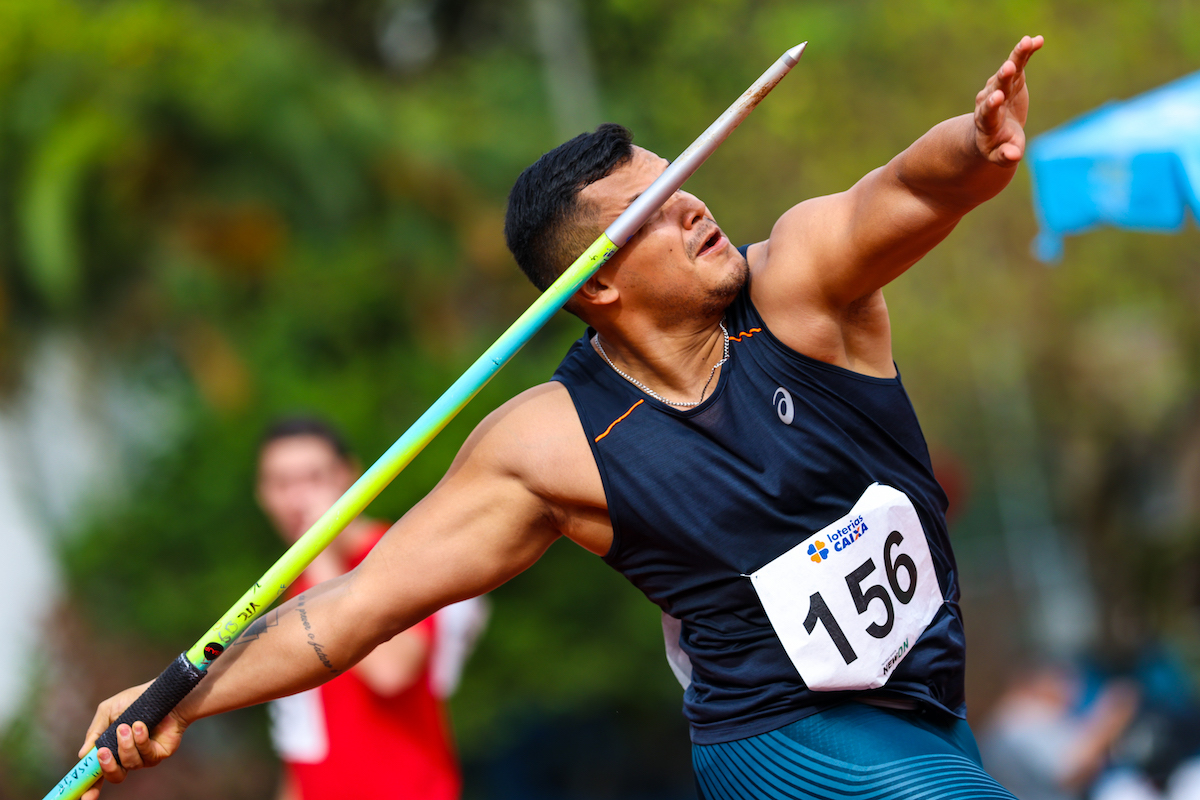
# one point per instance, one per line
(1132, 164)
(850, 752)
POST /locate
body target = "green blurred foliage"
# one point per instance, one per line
(244, 196)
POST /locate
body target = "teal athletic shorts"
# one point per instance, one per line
(852, 751)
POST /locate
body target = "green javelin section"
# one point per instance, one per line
(276, 580)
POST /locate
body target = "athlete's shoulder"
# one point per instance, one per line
(537, 437)
(539, 412)
(789, 300)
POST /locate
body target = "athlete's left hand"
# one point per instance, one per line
(1002, 106)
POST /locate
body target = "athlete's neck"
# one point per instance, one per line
(676, 364)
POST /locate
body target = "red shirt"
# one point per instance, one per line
(341, 740)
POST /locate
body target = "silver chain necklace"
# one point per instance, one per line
(651, 392)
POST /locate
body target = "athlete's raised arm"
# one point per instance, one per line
(518, 483)
(829, 253)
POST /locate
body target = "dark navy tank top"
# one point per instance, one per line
(700, 498)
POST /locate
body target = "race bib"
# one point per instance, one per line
(850, 602)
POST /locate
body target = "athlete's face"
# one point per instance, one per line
(679, 263)
(299, 478)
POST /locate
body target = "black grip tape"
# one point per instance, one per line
(156, 702)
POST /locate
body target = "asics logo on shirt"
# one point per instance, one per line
(784, 406)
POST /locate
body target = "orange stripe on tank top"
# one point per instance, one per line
(618, 419)
(747, 334)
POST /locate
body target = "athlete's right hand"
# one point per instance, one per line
(136, 746)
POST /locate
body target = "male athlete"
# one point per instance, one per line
(731, 434)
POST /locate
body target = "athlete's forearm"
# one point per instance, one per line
(860, 240)
(301, 644)
(946, 167)
(477, 529)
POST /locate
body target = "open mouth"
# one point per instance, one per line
(711, 243)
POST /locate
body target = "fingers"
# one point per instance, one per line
(136, 750)
(110, 770)
(135, 746)
(997, 89)
(989, 113)
(1024, 50)
(1006, 78)
(1010, 152)
(132, 743)
(106, 712)
(1010, 76)
(1002, 97)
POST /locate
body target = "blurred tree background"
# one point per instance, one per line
(253, 207)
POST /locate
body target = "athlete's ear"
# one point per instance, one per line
(598, 290)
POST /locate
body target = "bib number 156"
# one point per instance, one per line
(818, 610)
(850, 601)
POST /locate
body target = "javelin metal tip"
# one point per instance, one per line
(794, 54)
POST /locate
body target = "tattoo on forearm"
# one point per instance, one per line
(312, 637)
(259, 627)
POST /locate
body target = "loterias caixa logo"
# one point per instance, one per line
(842, 538)
(818, 552)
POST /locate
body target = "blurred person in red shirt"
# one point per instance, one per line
(379, 730)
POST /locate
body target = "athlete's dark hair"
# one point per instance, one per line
(547, 227)
(287, 427)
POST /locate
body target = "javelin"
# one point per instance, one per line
(185, 672)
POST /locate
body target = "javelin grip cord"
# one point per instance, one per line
(177, 680)
(153, 705)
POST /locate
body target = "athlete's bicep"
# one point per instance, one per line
(835, 250)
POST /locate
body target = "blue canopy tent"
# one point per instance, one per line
(1132, 164)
